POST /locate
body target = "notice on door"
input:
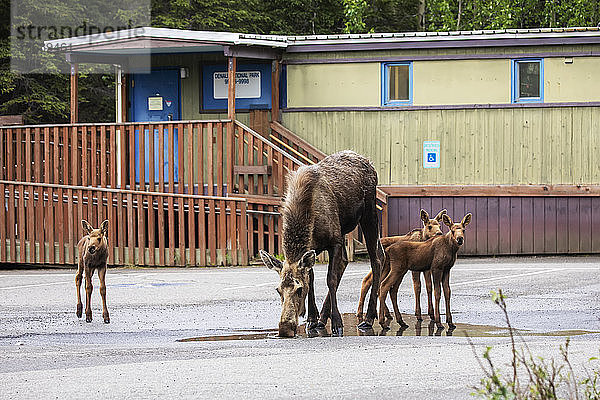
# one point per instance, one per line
(155, 103)
(247, 85)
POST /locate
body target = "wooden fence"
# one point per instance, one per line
(145, 178)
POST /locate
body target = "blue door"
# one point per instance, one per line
(155, 97)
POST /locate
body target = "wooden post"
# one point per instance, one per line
(231, 69)
(275, 71)
(74, 105)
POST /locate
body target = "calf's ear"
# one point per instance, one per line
(104, 227)
(424, 216)
(466, 220)
(308, 259)
(438, 217)
(87, 228)
(270, 261)
(447, 220)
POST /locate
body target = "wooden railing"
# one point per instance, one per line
(43, 225)
(61, 174)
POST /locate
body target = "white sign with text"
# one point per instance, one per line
(247, 85)
(431, 154)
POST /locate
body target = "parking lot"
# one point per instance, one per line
(46, 352)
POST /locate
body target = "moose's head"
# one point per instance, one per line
(96, 237)
(293, 288)
(457, 230)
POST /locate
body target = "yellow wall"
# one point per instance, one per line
(461, 82)
(334, 85)
(571, 82)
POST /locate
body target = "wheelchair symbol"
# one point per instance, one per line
(431, 157)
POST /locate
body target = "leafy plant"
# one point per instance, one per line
(542, 378)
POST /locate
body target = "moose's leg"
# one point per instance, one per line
(394, 297)
(368, 224)
(88, 294)
(446, 285)
(365, 286)
(326, 309)
(78, 279)
(437, 292)
(428, 286)
(102, 276)
(390, 280)
(416, 277)
(337, 264)
(313, 312)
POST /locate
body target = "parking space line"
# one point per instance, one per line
(496, 278)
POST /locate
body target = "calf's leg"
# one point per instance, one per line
(102, 276)
(365, 286)
(446, 285)
(437, 292)
(416, 277)
(337, 265)
(78, 279)
(429, 288)
(88, 294)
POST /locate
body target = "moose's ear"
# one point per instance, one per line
(104, 227)
(424, 216)
(466, 220)
(447, 220)
(270, 261)
(308, 260)
(438, 217)
(87, 228)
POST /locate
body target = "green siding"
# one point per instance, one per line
(558, 145)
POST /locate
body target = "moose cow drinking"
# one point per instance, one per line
(324, 202)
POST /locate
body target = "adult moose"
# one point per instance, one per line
(431, 228)
(93, 253)
(324, 202)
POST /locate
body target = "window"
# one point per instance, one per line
(397, 84)
(528, 80)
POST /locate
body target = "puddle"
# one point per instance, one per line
(415, 328)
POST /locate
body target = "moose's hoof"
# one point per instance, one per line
(319, 325)
(337, 331)
(106, 320)
(451, 325)
(403, 324)
(419, 317)
(88, 318)
(365, 326)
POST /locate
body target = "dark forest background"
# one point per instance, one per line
(44, 97)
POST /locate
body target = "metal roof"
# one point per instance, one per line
(147, 37)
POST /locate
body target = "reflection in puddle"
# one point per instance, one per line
(415, 328)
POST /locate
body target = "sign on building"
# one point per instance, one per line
(431, 154)
(247, 85)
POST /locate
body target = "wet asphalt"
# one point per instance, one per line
(47, 352)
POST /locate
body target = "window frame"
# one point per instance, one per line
(514, 72)
(385, 80)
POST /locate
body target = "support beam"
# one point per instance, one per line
(275, 72)
(74, 89)
(231, 70)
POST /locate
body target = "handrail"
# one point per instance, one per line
(296, 152)
(268, 143)
(182, 122)
(121, 191)
(298, 141)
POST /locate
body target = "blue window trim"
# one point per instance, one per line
(514, 73)
(384, 85)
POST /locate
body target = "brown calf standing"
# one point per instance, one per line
(431, 228)
(437, 254)
(93, 253)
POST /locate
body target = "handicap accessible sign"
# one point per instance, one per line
(431, 154)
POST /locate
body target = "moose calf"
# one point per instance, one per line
(431, 227)
(93, 253)
(437, 254)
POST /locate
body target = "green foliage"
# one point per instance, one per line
(542, 379)
(354, 11)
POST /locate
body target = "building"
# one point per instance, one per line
(503, 124)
